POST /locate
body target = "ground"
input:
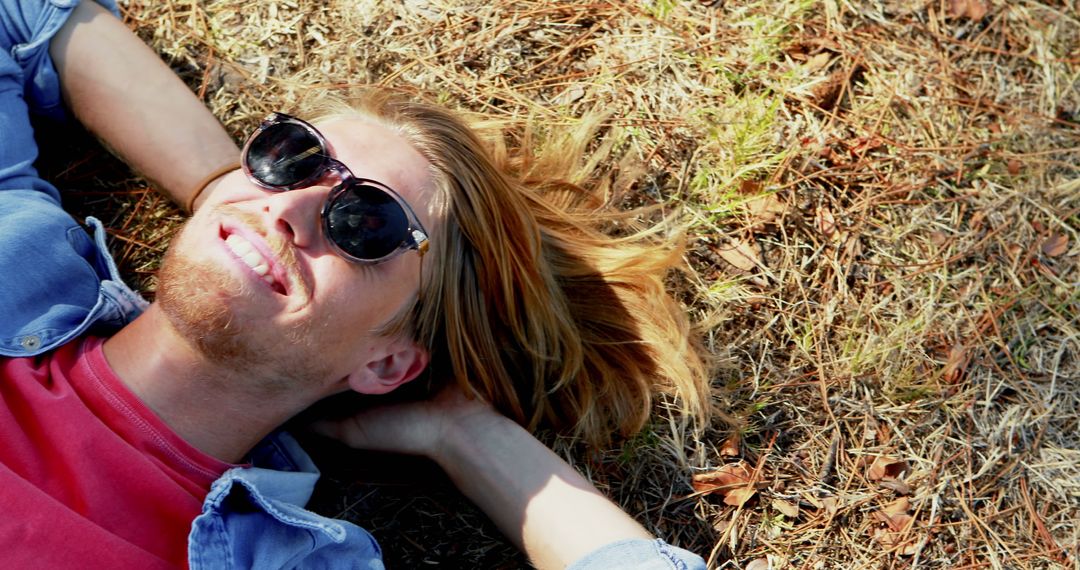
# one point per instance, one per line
(882, 202)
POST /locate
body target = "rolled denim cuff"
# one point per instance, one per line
(38, 21)
(639, 554)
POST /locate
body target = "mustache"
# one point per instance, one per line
(283, 250)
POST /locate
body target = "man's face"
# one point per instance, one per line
(253, 282)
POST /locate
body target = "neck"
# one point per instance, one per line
(220, 411)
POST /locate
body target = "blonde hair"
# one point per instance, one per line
(526, 300)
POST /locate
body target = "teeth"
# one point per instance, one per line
(239, 244)
(255, 260)
(250, 256)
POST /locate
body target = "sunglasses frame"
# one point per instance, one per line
(416, 237)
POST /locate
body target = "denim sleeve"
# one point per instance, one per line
(639, 554)
(28, 83)
(50, 267)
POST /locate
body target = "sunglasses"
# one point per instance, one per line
(364, 220)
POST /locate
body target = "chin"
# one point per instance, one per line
(194, 297)
(204, 304)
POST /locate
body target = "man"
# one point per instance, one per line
(144, 435)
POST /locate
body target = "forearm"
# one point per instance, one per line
(535, 498)
(124, 94)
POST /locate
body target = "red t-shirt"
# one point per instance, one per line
(89, 475)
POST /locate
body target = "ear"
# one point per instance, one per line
(401, 362)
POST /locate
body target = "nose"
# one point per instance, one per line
(296, 214)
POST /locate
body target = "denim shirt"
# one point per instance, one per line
(57, 282)
(254, 517)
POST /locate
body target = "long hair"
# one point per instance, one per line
(528, 298)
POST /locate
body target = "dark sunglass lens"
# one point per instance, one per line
(284, 154)
(366, 222)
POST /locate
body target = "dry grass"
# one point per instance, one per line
(885, 200)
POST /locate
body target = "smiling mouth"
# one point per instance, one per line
(250, 255)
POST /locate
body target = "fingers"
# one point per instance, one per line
(326, 428)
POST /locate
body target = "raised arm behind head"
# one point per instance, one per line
(131, 100)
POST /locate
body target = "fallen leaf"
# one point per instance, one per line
(976, 220)
(899, 506)
(764, 209)
(896, 485)
(894, 529)
(825, 221)
(971, 9)
(788, 509)
(731, 480)
(817, 62)
(740, 253)
(737, 497)
(830, 504)
(759, 564)
(571, 95)
(749, 187)
(883, 467)
(1014, 166)
(1044, 269)
(864, 145)
(956, 364)
(726, 477)
(870, 430)
(826, 93)
(1055, 245)
(730, 448)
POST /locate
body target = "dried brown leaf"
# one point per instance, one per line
(826, 93)
(956, 364)
(863, 145)
(721, 525)
(741, 253)
(896, 485)
(759, 564)
(817, 62)
(830, 504)
(1055, 245)
(732, 481)
(789, 510)
(883, 467)
(976, 220)
(749, 187)
(730, 448)
(737, 497)
(825, 222)
(764, 209)
(971, 9)
(726, 477)
(899, 506)
(894, 527)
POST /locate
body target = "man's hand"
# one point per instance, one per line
(414, 428)
(535, 498)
